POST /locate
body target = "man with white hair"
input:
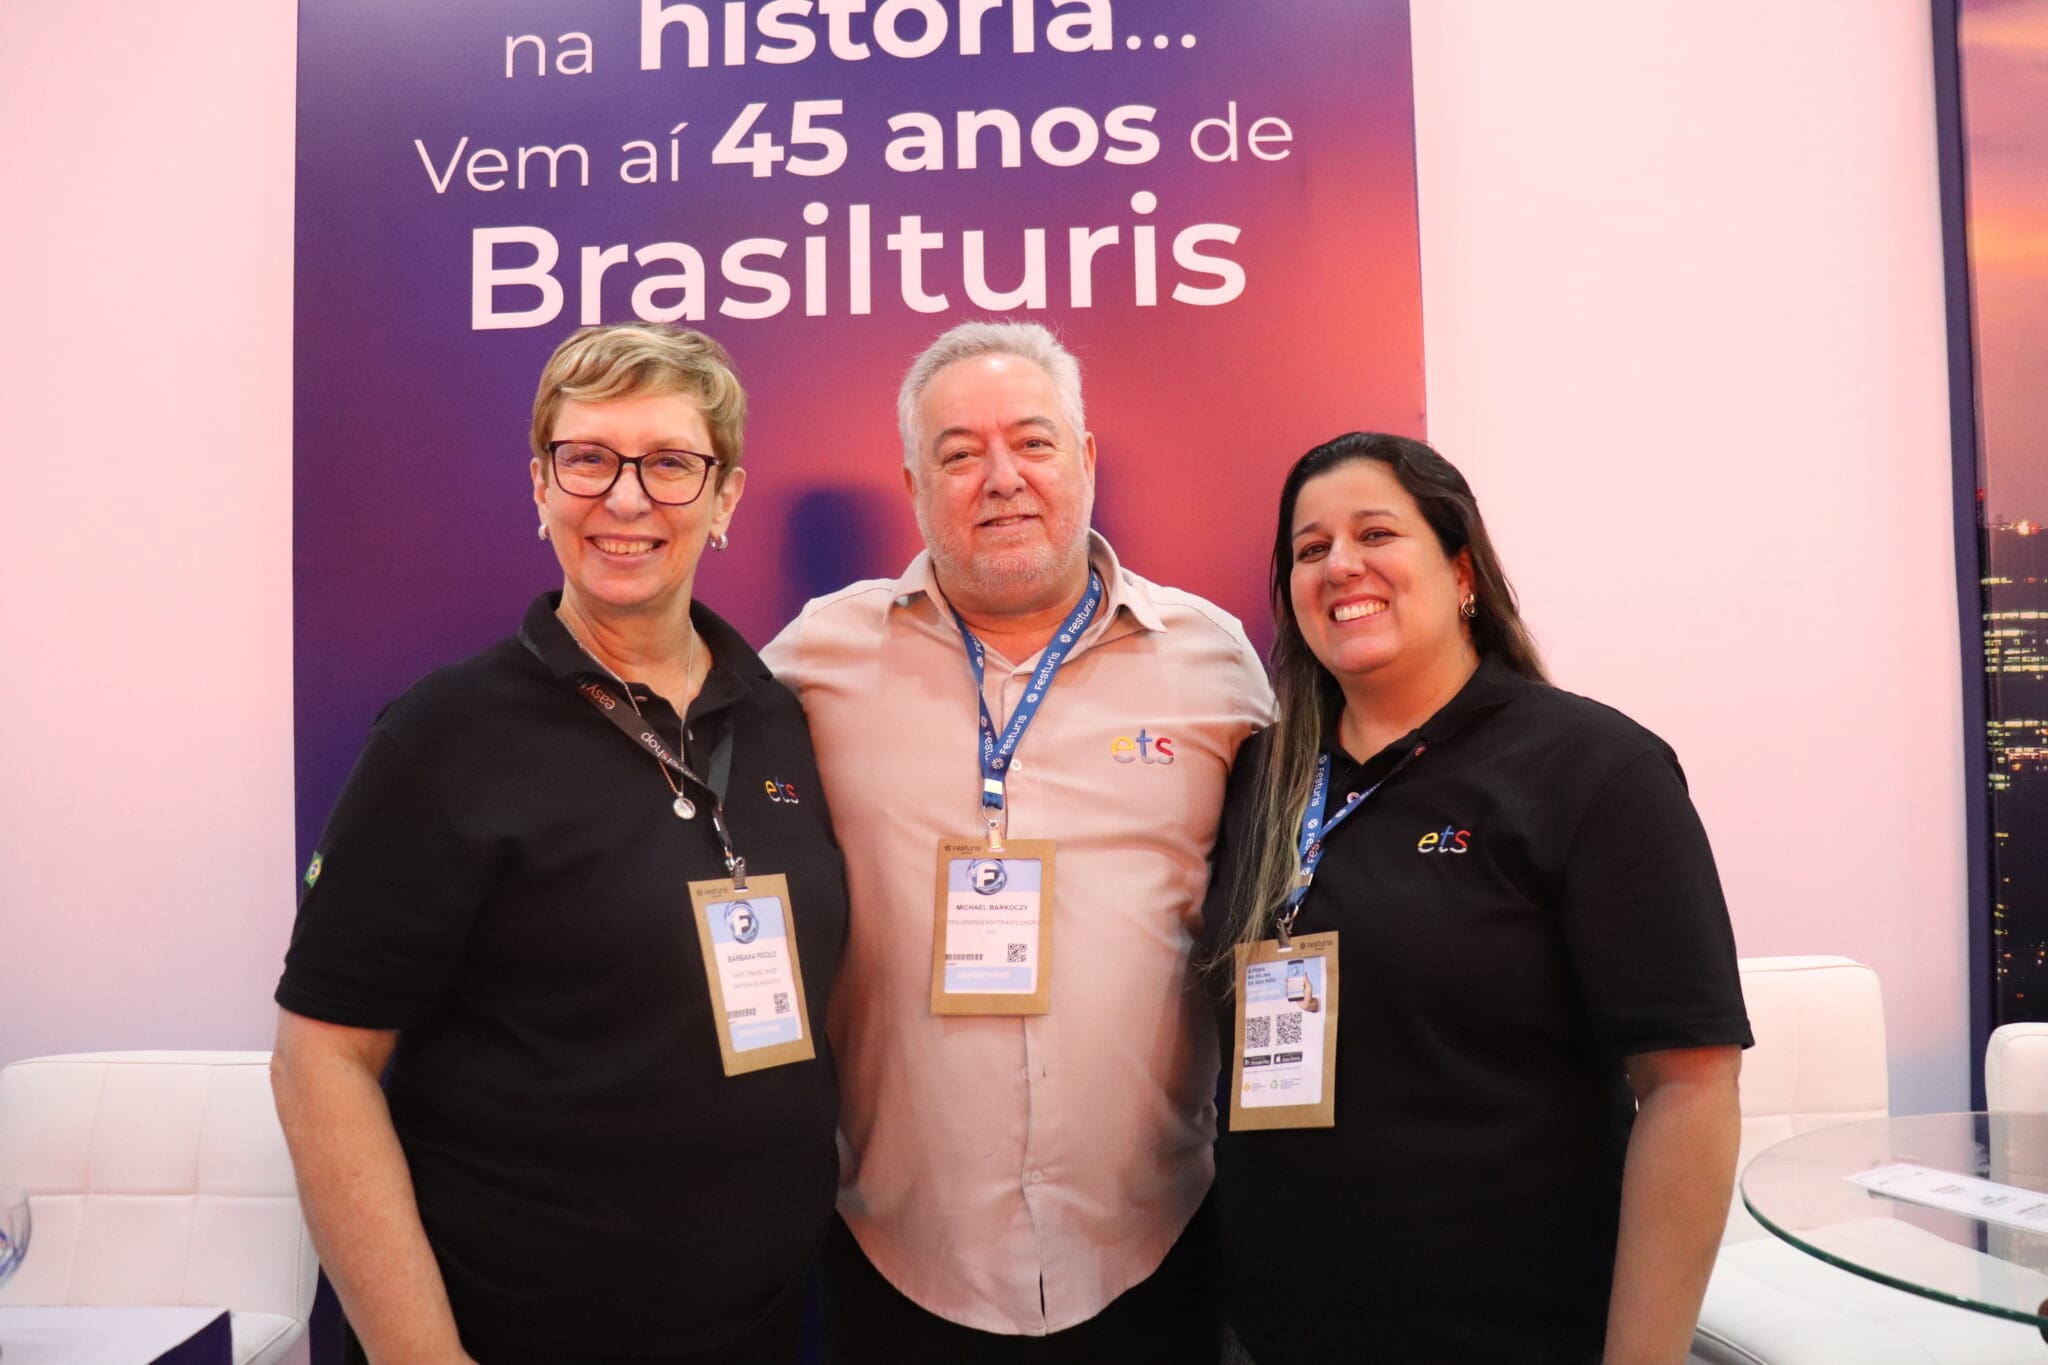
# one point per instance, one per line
(1026, 1132)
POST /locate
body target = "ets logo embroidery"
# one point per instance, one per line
(780, 792)
(1143, 748)
(1449, 839)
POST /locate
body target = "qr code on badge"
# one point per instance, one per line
(1258, 1031)
(1290, 1028)
(1015, 953)
(782, 1002)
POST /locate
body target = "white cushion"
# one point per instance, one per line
(2016, 1069)
(264, 1338)
(1819, 1057)
(159, 1178)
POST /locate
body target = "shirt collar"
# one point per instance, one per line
(735, 667)
(1492, 685)
(1122, 592)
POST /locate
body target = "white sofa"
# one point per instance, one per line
(159, 1178)
(2016, 1069)
(1819, 1059)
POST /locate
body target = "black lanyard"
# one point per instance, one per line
(626, 716)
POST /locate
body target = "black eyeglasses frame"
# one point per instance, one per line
(711, 463)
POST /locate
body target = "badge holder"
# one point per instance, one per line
(1284, 1072)
(748, 933)
(992, 927)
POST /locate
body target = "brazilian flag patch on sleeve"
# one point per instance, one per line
(313, 870)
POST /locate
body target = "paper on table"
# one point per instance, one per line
(1966, 1194)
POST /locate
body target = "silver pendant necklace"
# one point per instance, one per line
(683, 806)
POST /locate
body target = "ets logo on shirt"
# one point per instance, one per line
(1142, 748)
(1449, 839)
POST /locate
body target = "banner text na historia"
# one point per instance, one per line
(522, 276)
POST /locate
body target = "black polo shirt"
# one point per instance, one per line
(503, 881)
(1526, 904)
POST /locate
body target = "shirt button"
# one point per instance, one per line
(1016, 765)
(1035, 1177)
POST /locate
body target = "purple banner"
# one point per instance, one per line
(1213, 201)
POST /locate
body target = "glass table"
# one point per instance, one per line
(1801, 1190)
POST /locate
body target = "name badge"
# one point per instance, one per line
(992, 935)
(750, 961)
(1284, 1073)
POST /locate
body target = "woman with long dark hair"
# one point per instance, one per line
(1479, 992)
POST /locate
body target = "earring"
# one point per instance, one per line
(542, 532)
(1469, 608)
(718, 540)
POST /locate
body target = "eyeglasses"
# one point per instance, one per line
(674, 478)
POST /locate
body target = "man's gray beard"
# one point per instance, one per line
(1000, 572)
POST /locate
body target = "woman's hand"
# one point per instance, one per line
(1674, 1199)
(356, 1190)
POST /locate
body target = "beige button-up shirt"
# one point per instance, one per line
(1016, 1174)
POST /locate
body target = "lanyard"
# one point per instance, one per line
(996, 751)
(1316, 831)
(642, 734)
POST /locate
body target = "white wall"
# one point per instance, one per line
(1682, 292)
(1682, 296)
(145, 569)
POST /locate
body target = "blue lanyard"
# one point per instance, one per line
(996, 751)
(1316, 831)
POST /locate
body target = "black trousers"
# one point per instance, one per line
(1168, 1318)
